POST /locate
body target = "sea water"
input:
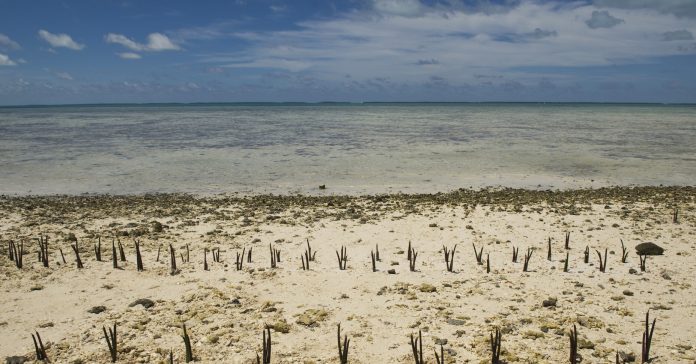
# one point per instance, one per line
(349, 148)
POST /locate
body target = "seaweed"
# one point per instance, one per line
(527, 258)
(647, 338)
(97, 250)
(417, 348)
(412, 260)
(138, 256)
(440, 359)
(643, 259)
(479, 254)
(342, 258)
(624, 252)
(111, 342)
(343, 347)
(602, 263)
(39, 347)
(172, 260)
(573, 335)
(266, 348)
(76, 249)
(449, 257)
(496, 340)
(567, 240)
(187, 344)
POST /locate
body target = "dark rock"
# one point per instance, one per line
(145, 302)
(236, 302)
(439, 341)
(71, 237)
(551, 302)
(632, 271)
(392, 271)
(627, 293)
(649, 249)
(156, 227)
(97, 309)
(15, 360)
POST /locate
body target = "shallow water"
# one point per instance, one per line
(371, 148)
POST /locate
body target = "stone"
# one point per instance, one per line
(145, 302)
(627, 357)
(281, 326)
(427, 288)
(312, 317)
(392, 271)
(627, 293)
(551, 302)
(15, 360)
(649, 249)
(456, 322)
(97, 309)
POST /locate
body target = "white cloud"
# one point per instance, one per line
(160, 42)
(681, 8)
(64, 76)
(6, 61)
(124, 41)
(399, 7)
(464, 43)
(7, 43)
(60, 40)
(129, 55)
(155, 42)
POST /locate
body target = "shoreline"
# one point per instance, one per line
(225, 309)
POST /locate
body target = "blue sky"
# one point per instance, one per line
(97, 51)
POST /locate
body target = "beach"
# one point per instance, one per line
(225, 310)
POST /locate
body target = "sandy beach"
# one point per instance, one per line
(225, 310)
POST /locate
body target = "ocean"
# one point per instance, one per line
(349, 148)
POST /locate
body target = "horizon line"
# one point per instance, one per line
(300, 103)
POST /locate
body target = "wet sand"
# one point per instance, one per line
(225, 309)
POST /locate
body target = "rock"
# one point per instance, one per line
(585, 344)
(312, 317)
(235, 302)
(97, 309)
(627, 293)
(322, 187)
(71, 237)
(281, 326)
(456, 322)
(627, 357)
(439, 341)
(632, 271)
(551, 302)
(666, 276)
(156, 226)
(15, 360)
(649, 249)
(145, 302)
(428, 288)
(392, 271)
(432, 224)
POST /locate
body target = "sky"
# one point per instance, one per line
(136, 51)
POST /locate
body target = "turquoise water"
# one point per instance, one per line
(355, 149)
